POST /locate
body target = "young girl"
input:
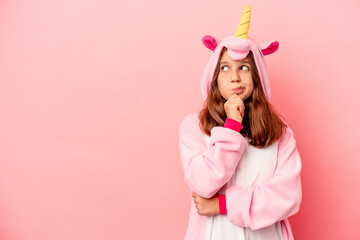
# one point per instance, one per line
(239, 157)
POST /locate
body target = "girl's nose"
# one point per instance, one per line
(235, 77)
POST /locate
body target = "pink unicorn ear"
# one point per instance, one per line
(269, 47)
(209, 42)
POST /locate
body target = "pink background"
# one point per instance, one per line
(92, 94)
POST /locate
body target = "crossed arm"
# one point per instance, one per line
(207, 170)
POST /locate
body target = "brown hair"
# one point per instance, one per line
(262, 124)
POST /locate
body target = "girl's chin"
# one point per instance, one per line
(240, 95)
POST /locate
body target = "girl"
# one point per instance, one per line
(239, 157)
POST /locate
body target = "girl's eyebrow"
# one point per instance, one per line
(240, 61)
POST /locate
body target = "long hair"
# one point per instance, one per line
(261, 123)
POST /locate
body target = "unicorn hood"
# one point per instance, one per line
(238, 46)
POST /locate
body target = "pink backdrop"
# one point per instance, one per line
(92, 94)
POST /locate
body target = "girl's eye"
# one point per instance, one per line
(225, 68)
(244, 67)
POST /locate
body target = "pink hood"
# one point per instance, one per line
(238, 49)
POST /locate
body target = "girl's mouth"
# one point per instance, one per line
(239, 90)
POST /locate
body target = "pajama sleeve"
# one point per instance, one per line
(273, 199)
(206, 170)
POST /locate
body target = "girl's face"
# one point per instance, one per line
(235, 77)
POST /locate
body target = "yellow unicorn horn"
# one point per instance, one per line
(243, 27)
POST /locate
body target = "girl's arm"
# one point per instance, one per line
(206, 170)
(271, 200)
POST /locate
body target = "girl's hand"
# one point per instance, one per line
(207, 206)
(235, 108)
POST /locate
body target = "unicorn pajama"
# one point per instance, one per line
(262, 185)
